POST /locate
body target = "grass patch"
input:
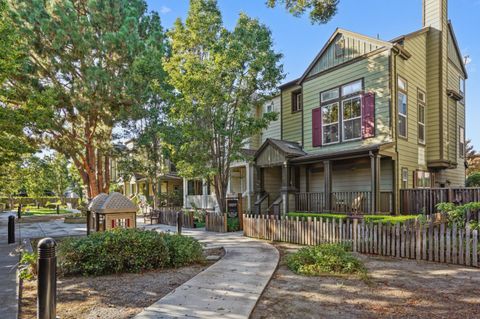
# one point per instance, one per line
(334, 259)
(33, 210)
(384, 219)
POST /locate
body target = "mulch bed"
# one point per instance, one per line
(113, 296)
(398, 288)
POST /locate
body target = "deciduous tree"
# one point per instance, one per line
(320, 11)
(220, 76)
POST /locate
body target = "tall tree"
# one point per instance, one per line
(320, 11)
(13, 142)
(220, 77)
(80, 80)
(471, 157)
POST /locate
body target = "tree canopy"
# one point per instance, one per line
(82, 75)
(320, 11)
(220, 77)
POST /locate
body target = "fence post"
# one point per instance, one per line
(19, 211)
(58, 209)
(355, 223)
(11, 229)
(179, 222)
(47, 279)
(225, 223)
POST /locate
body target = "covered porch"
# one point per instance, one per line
(359, 181)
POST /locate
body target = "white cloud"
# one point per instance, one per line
(165, 10)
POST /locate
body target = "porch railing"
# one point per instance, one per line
(424, 201)
(351, 202)
(342, 202)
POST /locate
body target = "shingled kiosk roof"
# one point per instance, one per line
(117, 203)
(97, 202)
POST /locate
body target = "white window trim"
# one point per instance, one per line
(403, 115)
(352, 119)
(330, 124)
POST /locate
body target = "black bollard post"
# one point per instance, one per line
(89, 216)
(58, 209)
(11, 229)
(47, 279)
(19, 212)
(179, 222)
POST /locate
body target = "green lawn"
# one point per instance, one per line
(33, 210)
(368, 218)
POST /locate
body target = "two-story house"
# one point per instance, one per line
(367, 118)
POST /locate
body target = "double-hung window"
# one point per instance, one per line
(421, 117)
(330, 123)
(402, 108)
(461, 142)
(461, 85)
(297, 101)
(423, 179)
(342, 113)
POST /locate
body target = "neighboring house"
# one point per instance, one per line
(367, 118)
(170, 184)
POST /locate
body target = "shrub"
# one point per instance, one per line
(473, 180)
(325, 259)
(116, 251)
(233, 224)
(183, 250)
(28, 266)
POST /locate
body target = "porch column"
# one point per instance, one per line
(185, 192)
(285, 186)
(327, 180)
(204, 193)
(258, 187)
(377, 182)
(229, 185)
(249, 175)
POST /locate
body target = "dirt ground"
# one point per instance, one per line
(397, 288)
(110, 297)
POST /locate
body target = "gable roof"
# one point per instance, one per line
(289, 149)
(457, 48)
(338, 31)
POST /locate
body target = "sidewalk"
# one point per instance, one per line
(228, 289)
(8, 270)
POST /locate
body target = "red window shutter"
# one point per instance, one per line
(368, 115)
(317, 127)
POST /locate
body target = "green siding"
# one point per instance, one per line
(292, 122)
(273, 129)
(375, 72)
(353, 48)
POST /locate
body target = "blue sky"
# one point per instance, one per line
(299, 41)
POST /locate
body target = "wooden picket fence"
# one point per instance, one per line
(216, 222)
(432, 241)
(168, 216)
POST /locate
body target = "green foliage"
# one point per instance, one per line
(124, 251)
(233, 224)
(219, 77)
(28, 266)
(384, 219)
(91, 64)
(183, 250)
(321, 11)
(473, 180)
(456, 215)
(325, 259)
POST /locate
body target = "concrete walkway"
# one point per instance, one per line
(8, 271)
(228, 289)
